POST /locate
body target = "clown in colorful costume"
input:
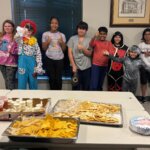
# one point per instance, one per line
(29, 63)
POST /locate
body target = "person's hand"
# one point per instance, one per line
(80, 47)
(25, 32)
(48, 40)
(147, 54)
(9, 47)
(106, 53)
(96, 36)
(34, 75)
(6, 54)
(60, 40)
(21, 31)
(74, 68)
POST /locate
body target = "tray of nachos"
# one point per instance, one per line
(90, 112)
(43, 129)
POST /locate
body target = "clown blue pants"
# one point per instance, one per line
(26, 66)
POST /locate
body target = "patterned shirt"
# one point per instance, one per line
(31, 50)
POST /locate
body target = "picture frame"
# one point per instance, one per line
(130, 13)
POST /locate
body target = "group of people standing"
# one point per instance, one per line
(90, 58)
(93, 58)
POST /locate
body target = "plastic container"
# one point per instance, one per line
(140, 125)
(1, 105)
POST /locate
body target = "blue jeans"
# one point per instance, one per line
(26, 66)
(97, 77)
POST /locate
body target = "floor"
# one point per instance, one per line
(146, 104)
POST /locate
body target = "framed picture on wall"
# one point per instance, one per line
(130, 13)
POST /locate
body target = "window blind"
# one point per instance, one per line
(69, 13)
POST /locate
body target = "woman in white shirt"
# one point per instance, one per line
(53, 42)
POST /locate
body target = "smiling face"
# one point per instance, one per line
(117, 40)
(81, 32)
(8, 28)
(102, 36)
(147, 37)
(54, 24)
(133, 54)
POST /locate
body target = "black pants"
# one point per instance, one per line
(54, 69)
(115, 79)
(9, 74)
(130, 85)
(84, 80)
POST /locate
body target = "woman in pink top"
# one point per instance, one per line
(8, 54)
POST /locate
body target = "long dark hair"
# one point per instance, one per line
(117, 34)
(12, 24)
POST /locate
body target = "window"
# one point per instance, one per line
(69, 13)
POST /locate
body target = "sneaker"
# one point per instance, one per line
(141, 99)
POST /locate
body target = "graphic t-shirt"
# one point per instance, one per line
(54, 50)
(145, 48)
(8, 51)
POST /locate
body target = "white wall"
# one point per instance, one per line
(5, 11)
(96, 13)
